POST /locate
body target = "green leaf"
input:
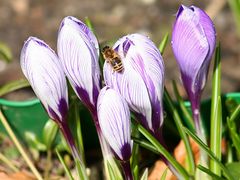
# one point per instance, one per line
(111, 172)
(209, 152)
(89, 24)
(145, 144)
(210, 173)
(14, 85)
(179, 125)
(145, 175)
(234, 169)
(187, 116)
(135, 151)
(163, 43)
(216, 113)
(62, 145)
(235, 114)
(231, 104)
(49, 133)
(182, 172)
(33, 142)
(234, 134)
(164, 175)
(67, 170)
(5, 53)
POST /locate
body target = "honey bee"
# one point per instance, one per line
(113, 58)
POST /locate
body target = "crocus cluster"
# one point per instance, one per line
(138, 87)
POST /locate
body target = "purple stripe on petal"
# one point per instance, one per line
(63, 108)
(84, 96)
(126, 151)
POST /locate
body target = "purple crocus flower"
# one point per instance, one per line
(44, 72)
(193, 44)
(114, 120)
(141, 81)
(79, 52)
(41, 67)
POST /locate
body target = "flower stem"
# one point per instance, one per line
(158, 135)
(127, 170)
(78, 159)
(19, 146)
(106, 151)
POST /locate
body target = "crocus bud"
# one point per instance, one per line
(45, 74)
(114, 120)
(43, 70)
(141, 81)
(193, 44)
(79, 52)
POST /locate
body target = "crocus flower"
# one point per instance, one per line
(193, 44)
(79, 52)
(41, 67)
(141, 81)
(44, 72)
(114, 120)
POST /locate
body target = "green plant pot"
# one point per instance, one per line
(30, 116)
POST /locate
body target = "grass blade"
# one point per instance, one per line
(183, 173)
(145, 144)
(210, 173)
(209, 152)
(183, 135)
(233, 129)
(14, 85)
(68, 173)
(8, 162)
(19, 147)
(164, 175)
(163, 43)
(216, 113)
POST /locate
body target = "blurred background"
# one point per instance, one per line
(112, 19)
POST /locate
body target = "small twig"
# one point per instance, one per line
(48, 164)
(19, 146)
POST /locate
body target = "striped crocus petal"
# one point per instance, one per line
(43, 70)
(79, 52)
(114, 120)
(193, 43)
(141, 82)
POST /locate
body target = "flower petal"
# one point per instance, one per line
(131, 86)
(142, 78)
(114, 120)
(43, 70)
(78, 51)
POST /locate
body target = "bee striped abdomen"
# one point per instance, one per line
(113, 58)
